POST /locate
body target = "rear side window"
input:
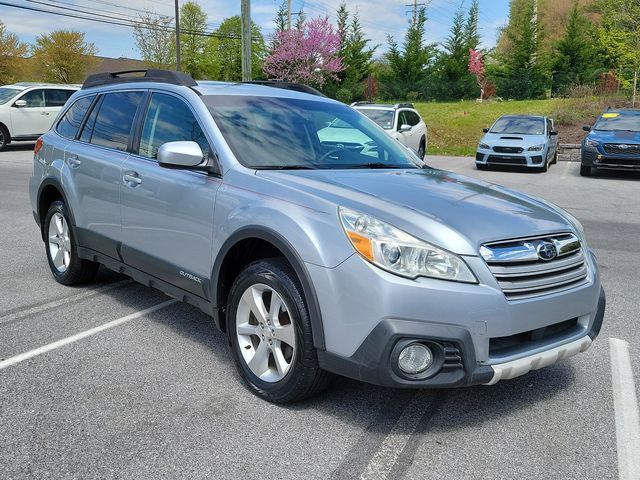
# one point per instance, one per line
(115, 119)
(169, 119)
(70, 122)
(412, 118)
(87, 130)
(56, 98)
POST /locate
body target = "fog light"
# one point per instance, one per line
(415, 358)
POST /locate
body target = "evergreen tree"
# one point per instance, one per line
(471, 33)
(573, 53)
(282, 18)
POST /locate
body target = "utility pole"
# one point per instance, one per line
(288, 14)
(635, 84)
(245, 13)
(177, 36)
(415, 6)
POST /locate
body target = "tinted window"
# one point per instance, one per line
(56, 98)
(34, 98)
(115, 119)
(169, 119)
(70, 122)
(519, 125)
(402, 119)
(87, 130)
(412, 118)
(270, 132)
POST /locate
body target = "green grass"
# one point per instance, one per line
(455, 128)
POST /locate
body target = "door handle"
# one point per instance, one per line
(73, 161)
(44, 113)
(131, 179)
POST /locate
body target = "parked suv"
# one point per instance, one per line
(27, 110)
(312, 257)
(613, 143)
(525, 140)
(401, 121)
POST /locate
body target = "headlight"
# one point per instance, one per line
(398, 252)
(591, 143)
(484, 146)
(536, 148)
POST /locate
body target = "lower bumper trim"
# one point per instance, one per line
(515, 368)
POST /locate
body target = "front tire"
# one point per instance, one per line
(62, 252)
(4, 138)
(585, 171)
(269, 330)
(422, 150)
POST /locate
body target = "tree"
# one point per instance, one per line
(193, 23)
(224, 55)
(11, 50)
(471, 33)
(573, 57)
(155, 39)
(520, 73)
(308, 54)
(408, 65)
(619, 33)
(476, 68)
(63, 56)
(282, 17)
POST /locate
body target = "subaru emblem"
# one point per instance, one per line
(623, 146)
(547, 251)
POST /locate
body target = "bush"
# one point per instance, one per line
(344, 95)
(413, 96)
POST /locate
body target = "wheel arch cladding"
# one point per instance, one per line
(255, 243)
(50, 191)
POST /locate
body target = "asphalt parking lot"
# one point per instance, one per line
(157, 395)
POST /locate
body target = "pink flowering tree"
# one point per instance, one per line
(305, 55)
(476, 67)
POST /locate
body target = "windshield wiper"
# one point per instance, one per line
(375, 165)
(285, 167)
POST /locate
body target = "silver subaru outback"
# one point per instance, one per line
(315, 257)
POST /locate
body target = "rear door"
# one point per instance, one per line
(552, 139)
(33, 119)
(167, 214)
(95, 160)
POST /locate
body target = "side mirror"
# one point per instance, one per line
(180, 154)
(587, 128)
(553, 132)
(20, 103)
(485, 130)
(404, 128)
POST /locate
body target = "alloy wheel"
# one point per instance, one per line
(265, 333)
(59, 242)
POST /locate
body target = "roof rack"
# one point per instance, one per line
(296, 87)
(150, 75)
(355, 104)
(403, 105)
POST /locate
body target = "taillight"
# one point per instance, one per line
(38, 146)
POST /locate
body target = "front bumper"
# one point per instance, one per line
(366, 312)
(591, 157)
(524, 159)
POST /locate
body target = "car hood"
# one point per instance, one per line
(450, 210)
(614, 137)
(511, 140)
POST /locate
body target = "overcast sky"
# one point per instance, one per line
(379, 18)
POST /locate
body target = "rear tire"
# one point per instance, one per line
(555, 158)
(585, 171)
(422, 149)
(271, 342)
(62, 252)
(4, 138)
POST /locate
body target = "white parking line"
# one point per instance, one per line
(626, 409)
(79, 336)
(392, 446)
(565, 170)
(63, 301)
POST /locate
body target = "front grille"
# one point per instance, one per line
(508, 149)
(629, 162)
(504, 346)
(522, 272)
(507, 160)
(621, 148)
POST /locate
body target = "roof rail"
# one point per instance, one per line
(150, 75)
(403, 105)
(355, 104)
(296, 87)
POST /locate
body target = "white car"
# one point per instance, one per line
(401, 121)
(27, 110)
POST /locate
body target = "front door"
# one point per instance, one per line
(34, 118)
(167, 214)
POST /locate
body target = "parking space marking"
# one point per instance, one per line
(626, 410)
(79, 336)
(395, 442)
(21, 313)
(565, 170)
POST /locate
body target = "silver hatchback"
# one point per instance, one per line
(314, 257)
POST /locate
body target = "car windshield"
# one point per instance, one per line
(287, 133)
(7, 94)
(519, 125)
(609, 122)
(384, 118)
